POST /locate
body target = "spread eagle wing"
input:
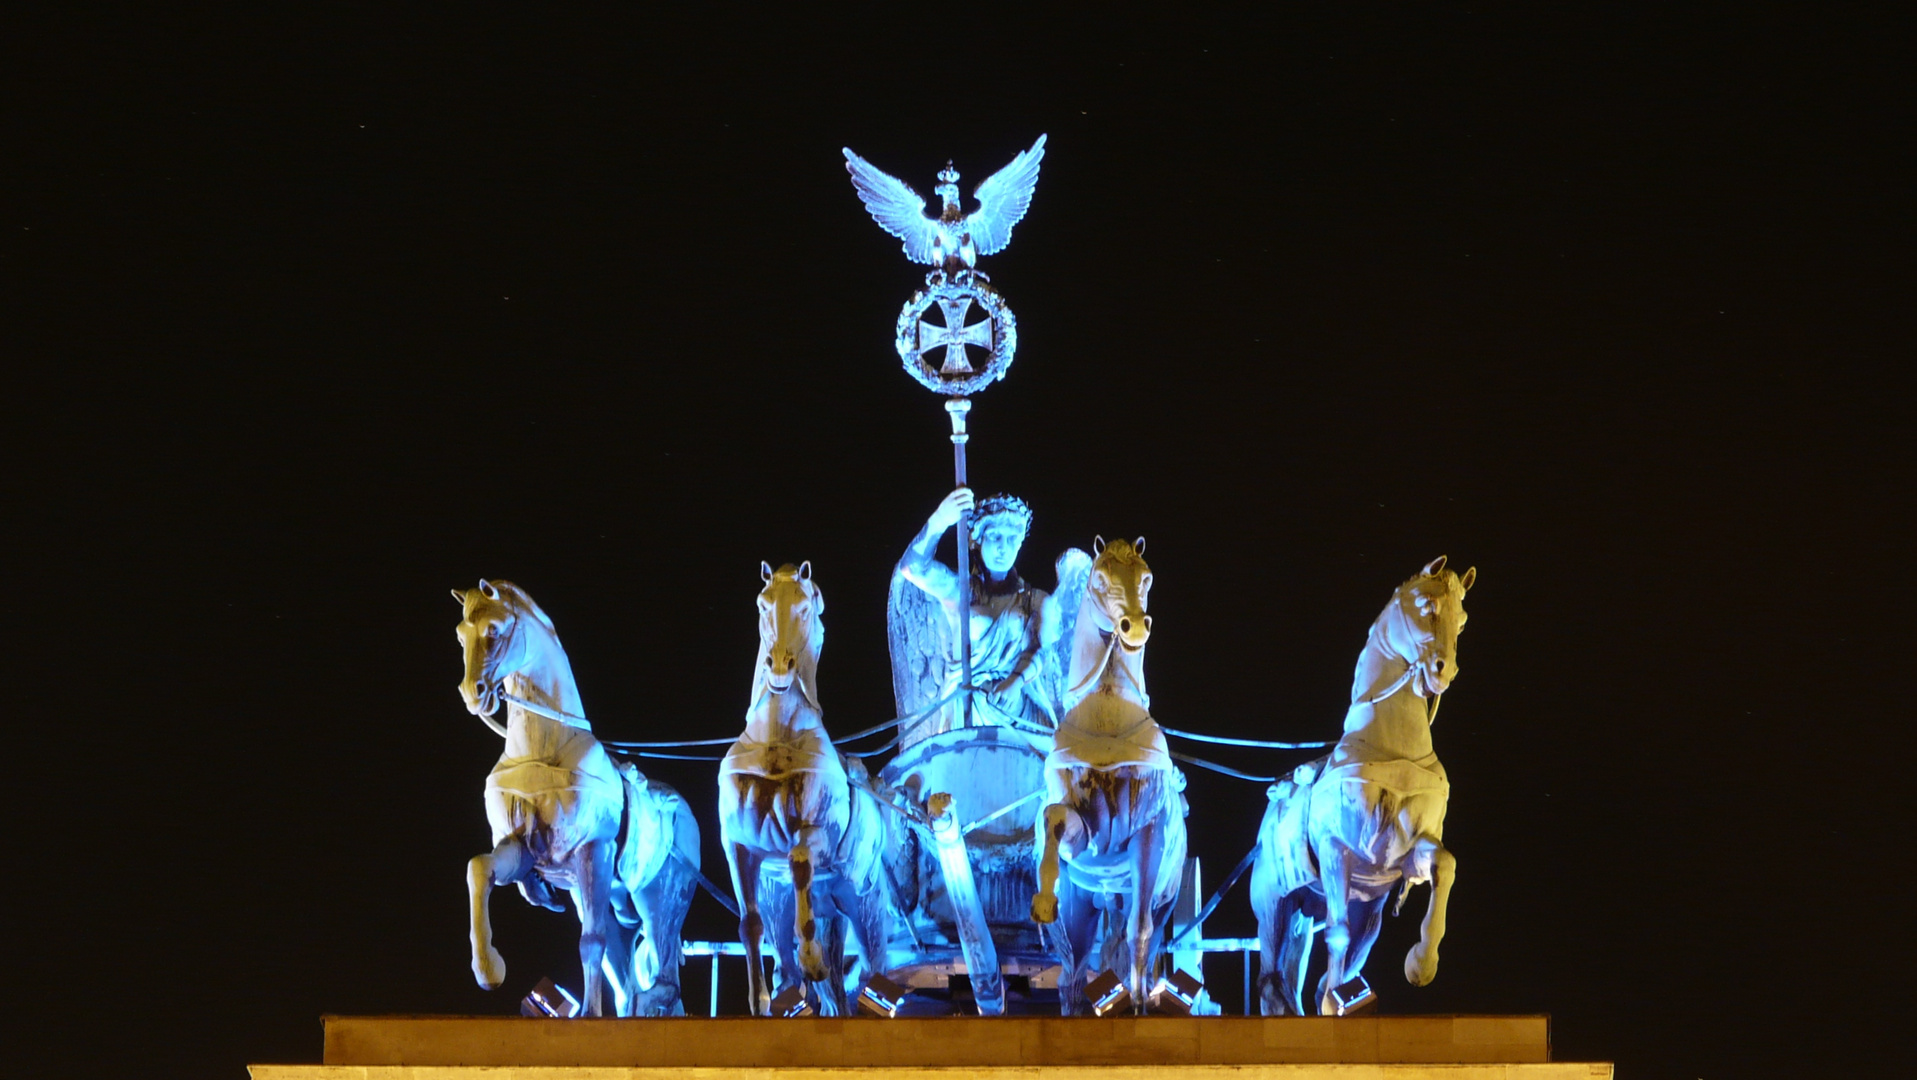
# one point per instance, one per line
(1002, 200)
(897, 208)
(920, 633)
(1061, 623)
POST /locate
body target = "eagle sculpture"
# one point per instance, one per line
(952, 240)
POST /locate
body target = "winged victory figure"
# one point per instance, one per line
(952, 240)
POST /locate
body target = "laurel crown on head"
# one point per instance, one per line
(999, 506)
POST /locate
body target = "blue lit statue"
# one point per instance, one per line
(953, 239)
(1111, 839)
(1006, 623)
(565, 814)
(802, 829)
(1341, 832)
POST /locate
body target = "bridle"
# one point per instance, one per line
(505, 649)
(1110, 633)
(798, 676)
(1412, 666)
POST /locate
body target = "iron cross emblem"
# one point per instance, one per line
(955, 335)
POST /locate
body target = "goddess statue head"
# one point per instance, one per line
(999, 526)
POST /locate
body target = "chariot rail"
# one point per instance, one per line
(1244, 946)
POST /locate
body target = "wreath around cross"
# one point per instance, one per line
(935, 354)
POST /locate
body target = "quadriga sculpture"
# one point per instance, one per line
(792, 819)
(1343, 830)
(1115, 826)
(564, 814)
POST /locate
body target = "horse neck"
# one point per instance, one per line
(776, 714)
(1397, 722)
(1113, 674)
(544, 679)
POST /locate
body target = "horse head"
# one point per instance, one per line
(1118, 591)
(489, 633)
(791, 632)
(1422, 622)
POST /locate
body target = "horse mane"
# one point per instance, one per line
(1117, 551)
(521, 601)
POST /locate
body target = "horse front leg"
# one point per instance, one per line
(1335, 874)
(1146, 846)
(807, 847)
(1421, 963)
(593, 896)
(1052, 824)
(508, 862)
(744, 864)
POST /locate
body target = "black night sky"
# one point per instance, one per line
(312, 316)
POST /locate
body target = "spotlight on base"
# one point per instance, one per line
(881, 996)
(549, 999)
(1180, 994)
(791, 1002)
(1108, 994)
(1354, 996)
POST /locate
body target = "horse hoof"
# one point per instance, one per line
(489, 969)
(1044, 908)
(812, 960)
(1420, 965)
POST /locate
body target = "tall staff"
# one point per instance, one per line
(958, 407)
(951, 242)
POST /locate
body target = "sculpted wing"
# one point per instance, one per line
(918, 630)
(1074, 574)
(896, 207)
(1003, 199)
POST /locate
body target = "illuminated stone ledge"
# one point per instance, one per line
(1159, 1047)
(1563, 1070)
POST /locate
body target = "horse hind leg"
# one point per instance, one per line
(1335, 875)
(743, 863)
(1072, 939)
(1366, 918)
(507, 863)
(871, 923)
(830, 992)
(1297, 929)
(1140, 927)
(598, 929)
(663, 903)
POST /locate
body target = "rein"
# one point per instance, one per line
(1104, 662)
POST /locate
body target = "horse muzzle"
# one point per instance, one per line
(1434, 677)
(781, 668)
(481, 697)
(1132, 631)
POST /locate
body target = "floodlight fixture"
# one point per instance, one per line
(1178, 993)
(549, 999)
(1108, 994)
(1354, 996)
(881, 996)
(791, 1002)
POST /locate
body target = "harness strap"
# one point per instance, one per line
(535, 707)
